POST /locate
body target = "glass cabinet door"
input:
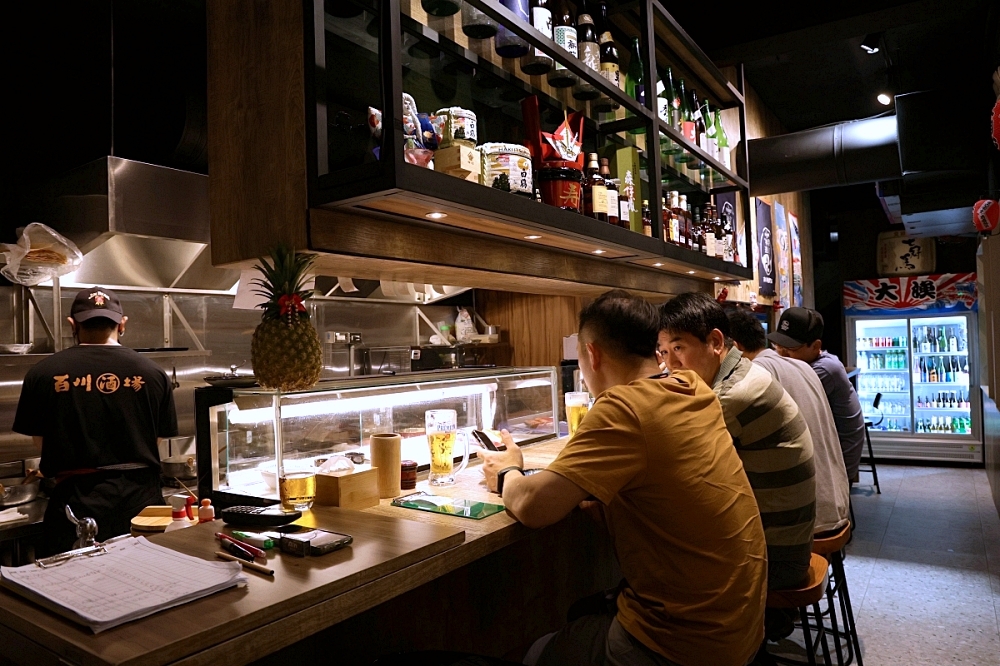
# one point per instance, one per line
(882, 359)
(941, 391)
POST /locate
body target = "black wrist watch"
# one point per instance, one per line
(501, 474)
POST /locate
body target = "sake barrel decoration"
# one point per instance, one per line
(285, 350)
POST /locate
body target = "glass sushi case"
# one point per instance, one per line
(245, 434)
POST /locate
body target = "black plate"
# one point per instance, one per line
(242, 381)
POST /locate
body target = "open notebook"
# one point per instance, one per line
(133, 579)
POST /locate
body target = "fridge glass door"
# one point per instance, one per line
(882, 348)
(940, 369)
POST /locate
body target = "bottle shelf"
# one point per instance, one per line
(941, 383)
(874, 391)
(943, 409)
(864, 370)
(954, 353)
(880, 349)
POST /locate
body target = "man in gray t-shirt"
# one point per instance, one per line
(798, 336)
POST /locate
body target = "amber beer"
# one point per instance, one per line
(577, 406)
(297, 490)
(441, 426)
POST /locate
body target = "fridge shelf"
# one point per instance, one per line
(885, 370)
(942, 409)
(941, 383)
(947, 353)
(867, 392)
(880, 349)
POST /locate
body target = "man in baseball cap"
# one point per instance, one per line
(798, 335)
(97, 410)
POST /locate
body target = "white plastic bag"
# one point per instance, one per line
(40, 254)
(464, 328)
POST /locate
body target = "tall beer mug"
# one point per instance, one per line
(577, 406)
(442, 430)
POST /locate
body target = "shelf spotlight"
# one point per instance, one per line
(532, 237)
(436, 216)
(657, 264)
(870, 43)
(716, 278)
(691, 272)
(884, 99)
(598, 251)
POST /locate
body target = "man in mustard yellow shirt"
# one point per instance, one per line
(655, 452)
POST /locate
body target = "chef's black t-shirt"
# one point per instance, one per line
(96, 405)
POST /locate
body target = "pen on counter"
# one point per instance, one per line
(253, 566)
(253, 550)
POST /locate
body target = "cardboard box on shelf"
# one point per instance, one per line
(623, 161)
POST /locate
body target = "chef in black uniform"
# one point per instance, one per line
(97, 410)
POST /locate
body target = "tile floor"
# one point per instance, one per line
(924, 568)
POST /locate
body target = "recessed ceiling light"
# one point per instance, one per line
(657, 264)
(532, 237)
(884, 99)
(690, 272)
(599, 251)
(436, 216)
(871, 43)
(716, 278)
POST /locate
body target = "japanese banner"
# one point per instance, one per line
(765, 249)
(782, 255)
(925, 294)
(793, 227)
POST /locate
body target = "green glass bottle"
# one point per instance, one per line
(635, 86)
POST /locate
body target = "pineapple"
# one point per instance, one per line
(285, 350)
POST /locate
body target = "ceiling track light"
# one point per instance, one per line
(884, 99)
(872, 43)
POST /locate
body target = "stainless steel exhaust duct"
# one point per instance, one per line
(860, 151)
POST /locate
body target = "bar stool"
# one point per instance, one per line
(832, 548)
(802, 599)
(868, 439)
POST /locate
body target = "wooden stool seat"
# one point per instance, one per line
(808, 595)
(834, 543)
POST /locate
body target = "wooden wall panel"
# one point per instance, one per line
(533, 325)
(256, 127)
(988, 283)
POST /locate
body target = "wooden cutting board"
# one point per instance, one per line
(155, 519)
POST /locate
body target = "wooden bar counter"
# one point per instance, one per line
(412, 580)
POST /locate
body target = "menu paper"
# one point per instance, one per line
(133, 579)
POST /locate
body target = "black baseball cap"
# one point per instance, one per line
(96, 302)
(797, 327)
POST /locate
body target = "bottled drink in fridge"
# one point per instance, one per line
(952, 341)
(563, 34)
(538, 61)
(507, 44)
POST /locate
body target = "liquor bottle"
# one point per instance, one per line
(923, 370)
(961, 340)
(682, 228)
(688, 127)
(507, 44)
(612, 186)
(952, 341)
(720, 236)
(927, 346)
(711, 131)
(441, 7)
(539, 62)
(699, 119)
(590, 55)
(476, 24)
(689, 232)
(647, 219)
(722, 141)
(729, 241)
(932, 375)
(942, 341)
(563, 34)
(610, 69)
(595, 192)
(708, 232)
(916, 340)
(963, 373)
(949, 370)
(635, 86)
(686, 210)
(668, 221)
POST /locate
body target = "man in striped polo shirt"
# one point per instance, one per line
(769, 434)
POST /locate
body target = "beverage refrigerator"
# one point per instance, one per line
(913, 339)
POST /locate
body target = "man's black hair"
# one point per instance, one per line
(745, 329)
(622, 324)
(695, 313)
(98, 325)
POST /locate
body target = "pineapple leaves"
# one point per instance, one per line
(283, 276)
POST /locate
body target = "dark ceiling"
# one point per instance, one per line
(809, 68)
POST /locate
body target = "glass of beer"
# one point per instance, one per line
(297, 488)
(577, 406)
(442, 431)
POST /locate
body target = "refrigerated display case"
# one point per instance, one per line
(913, 340)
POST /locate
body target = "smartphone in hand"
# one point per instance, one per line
(485, 440)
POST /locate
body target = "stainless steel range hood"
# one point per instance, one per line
(146, 226)
(138, 225)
